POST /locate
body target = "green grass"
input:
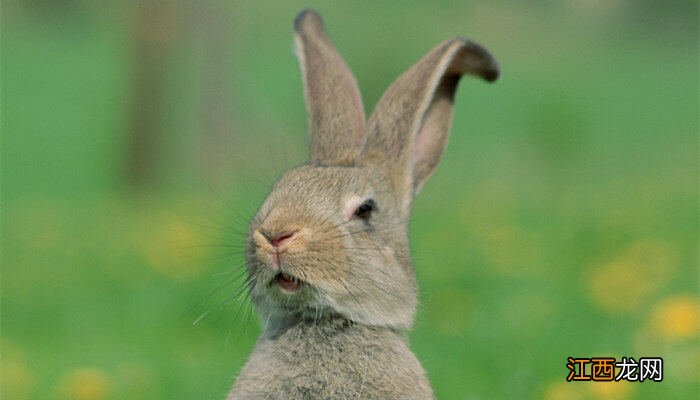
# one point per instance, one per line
(561, 222)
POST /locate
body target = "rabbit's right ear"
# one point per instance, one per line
(336, 115)
(408, 130)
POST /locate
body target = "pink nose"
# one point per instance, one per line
(278, 239)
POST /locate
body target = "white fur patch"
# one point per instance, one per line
(351, 205)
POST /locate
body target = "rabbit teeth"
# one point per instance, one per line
(287, 282)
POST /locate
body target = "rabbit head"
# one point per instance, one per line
(332, 237)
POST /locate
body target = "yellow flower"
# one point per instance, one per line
(611, 390)
(564, 391)
(85, 384)
(171, 246)
(624, 283)
(676, 318)
(17, 380)
(588, 390)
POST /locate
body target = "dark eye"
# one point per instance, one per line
(364, 211)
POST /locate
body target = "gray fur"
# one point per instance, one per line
(341, 332)
(332, 359)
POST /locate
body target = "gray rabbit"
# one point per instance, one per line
(327, 253)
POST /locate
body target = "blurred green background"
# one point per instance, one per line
(138, 136)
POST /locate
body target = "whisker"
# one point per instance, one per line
(349, 291)
(196, 321)
(375, 284)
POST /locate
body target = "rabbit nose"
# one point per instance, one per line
(278, 239)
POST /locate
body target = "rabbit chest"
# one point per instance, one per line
(334, 359)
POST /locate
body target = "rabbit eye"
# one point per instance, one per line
(364, 211)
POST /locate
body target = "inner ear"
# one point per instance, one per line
(428, 146)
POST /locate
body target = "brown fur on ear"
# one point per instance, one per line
(336, 115)
(408, 130)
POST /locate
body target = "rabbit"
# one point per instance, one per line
(327, 253)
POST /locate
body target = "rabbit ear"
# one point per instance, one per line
(336, 115)
(408, 130)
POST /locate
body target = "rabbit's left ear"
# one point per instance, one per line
(336, 115)
(408, 130)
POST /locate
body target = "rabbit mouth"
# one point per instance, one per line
(286, 282)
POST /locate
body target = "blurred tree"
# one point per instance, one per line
(161, 29)
(214, 26)
(156, 26)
